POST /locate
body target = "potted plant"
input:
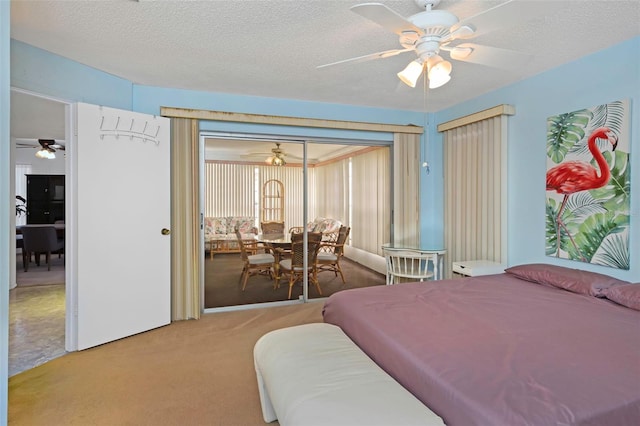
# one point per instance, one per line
(21, 206)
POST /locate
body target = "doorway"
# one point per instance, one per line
(37, 297)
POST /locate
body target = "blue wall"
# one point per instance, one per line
(42, 72)
(609, 75)
(149, 99)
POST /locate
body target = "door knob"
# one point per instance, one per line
(165, 231)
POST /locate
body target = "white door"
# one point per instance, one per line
(120, 217)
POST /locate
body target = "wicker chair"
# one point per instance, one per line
(330, 253)
(296, 230)
(293, 266)
(254, 263)
(272, 229)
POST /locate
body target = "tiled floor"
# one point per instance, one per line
(36, 326)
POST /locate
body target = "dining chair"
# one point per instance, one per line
(38, 239)
(296, 230)
(254, 263)
(330, 253)
(293, 266)
(272, 229)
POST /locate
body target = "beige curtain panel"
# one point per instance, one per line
(185, 220)
(406, 189)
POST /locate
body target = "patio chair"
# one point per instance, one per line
(293, 266)
(272, 229)
(255, 263)
(330, 253)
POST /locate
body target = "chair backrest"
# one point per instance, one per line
(409, 264)
(311, 236)
(243, 251)
(296, 230)
(297, 251)
(39, 238)
(343, 234)
(272, 228)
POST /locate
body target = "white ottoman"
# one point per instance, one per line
(314, 374)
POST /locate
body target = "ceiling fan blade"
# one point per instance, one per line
(385, 17)
(505, 15)
(378, 55)
(292, 156)
(491, 56)
(461, 33)
(256, 154)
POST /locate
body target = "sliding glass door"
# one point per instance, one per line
(248, 182)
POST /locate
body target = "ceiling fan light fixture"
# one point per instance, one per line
(46, 154)
(439, 71)
(410, 74)
(278, 161)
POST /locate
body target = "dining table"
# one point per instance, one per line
(277, 243)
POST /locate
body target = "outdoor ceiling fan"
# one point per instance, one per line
(46, 150)
(276, 157)
(429, 32)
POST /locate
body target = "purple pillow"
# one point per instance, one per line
(574, 280)
(627, 295)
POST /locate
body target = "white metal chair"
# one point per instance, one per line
(410, 265)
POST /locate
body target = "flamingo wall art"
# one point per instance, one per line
(588, 184)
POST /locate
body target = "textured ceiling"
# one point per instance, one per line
(271, 48)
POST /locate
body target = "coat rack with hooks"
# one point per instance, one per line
(117, 130)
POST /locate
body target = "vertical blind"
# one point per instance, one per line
(475, 190)
(371, 201)
(332, 194)
(230, 190)
(235, 190)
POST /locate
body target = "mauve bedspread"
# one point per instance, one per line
(496, 350)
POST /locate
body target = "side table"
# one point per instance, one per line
(475, 268)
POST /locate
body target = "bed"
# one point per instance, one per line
(539, 345)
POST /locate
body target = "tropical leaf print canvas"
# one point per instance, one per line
(588, 184)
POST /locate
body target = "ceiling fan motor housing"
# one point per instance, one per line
(427, 47)
(423, 4)
(434, 21)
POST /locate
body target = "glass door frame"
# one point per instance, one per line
(203, 134)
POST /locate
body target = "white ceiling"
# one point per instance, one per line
(271, 48)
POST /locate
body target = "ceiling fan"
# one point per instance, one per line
(276, 157)
(431, 31)
(47, 149)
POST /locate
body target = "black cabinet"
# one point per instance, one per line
(45, 198)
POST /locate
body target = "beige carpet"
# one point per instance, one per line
(187, 373)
